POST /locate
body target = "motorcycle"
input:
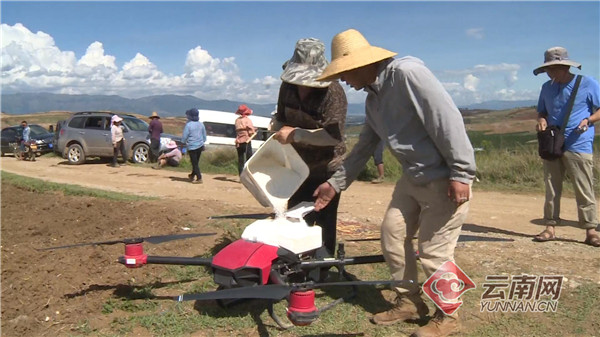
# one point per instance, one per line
(25, 150)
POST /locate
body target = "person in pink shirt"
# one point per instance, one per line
(245, 131)
(172, 157)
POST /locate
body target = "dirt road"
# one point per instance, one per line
(361, 202)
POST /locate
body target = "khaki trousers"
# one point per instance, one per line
(580, 167)
(429, 211)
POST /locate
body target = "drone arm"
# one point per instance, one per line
(193, 261)
(174, 260)
(309, 265)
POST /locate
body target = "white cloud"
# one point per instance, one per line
(484, 82)
(140, 68)
(94, 57)
(26, 55)
(32, 62)
(476, 33)
(471, 82)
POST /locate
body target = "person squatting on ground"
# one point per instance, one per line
(194, 136)
(245, 131)
(577, 159)
(410, 110)
(118, 141)
(154, 129)
(172, 157)
(311, 115)
(378, 161)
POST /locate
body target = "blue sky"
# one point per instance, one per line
(234, 50)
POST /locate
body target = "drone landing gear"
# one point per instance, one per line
(302, 310)
(283, 325)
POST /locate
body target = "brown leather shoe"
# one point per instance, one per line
(407, 308)
(441, 325)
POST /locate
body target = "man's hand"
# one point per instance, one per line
(459, 192)
(541, 124)
(285, 135)
(583, 125)
(324, 193)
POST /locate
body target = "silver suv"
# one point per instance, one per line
(87, 134)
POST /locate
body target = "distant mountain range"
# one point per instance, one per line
(165, 105)
(172, 105)
(500, 105)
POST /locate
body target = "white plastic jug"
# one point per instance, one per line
(274, 173)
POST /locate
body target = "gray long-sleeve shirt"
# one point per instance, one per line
(411, 111)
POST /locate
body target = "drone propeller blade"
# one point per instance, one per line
(360, 283)
(165, 238)
(150, 239)
(269, 291)
(256, 216)
(461, 238)
(84, 244)
(276, 291)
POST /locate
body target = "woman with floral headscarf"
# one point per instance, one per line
(311, 115)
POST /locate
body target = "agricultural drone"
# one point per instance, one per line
(246, 269)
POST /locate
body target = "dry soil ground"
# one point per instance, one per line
(51, 292)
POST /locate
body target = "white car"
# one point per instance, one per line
(220, 128)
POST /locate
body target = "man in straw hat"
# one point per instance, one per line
(311, 115)
(577, 159)
(155, 129)
(407, 108)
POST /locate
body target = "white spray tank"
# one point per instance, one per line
(272, 175)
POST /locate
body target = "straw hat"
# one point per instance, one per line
(154, 115)
(306, 64)
(350, 50)
(554, 56)
(244, 110)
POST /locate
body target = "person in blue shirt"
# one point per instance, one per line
(25, 137)
(194, 136)
(577, 159)
(26, 131)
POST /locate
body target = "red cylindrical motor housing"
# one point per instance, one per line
(134, 255)
(302, 309)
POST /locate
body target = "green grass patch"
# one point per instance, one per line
(505, 162)
(41, 186)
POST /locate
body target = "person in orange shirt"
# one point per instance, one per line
(245, 131)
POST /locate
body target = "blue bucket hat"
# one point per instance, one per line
(193, 115)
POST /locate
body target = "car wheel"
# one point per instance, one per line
(75, 154)
(140, 153)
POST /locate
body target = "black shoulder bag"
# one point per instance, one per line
(552, 140)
